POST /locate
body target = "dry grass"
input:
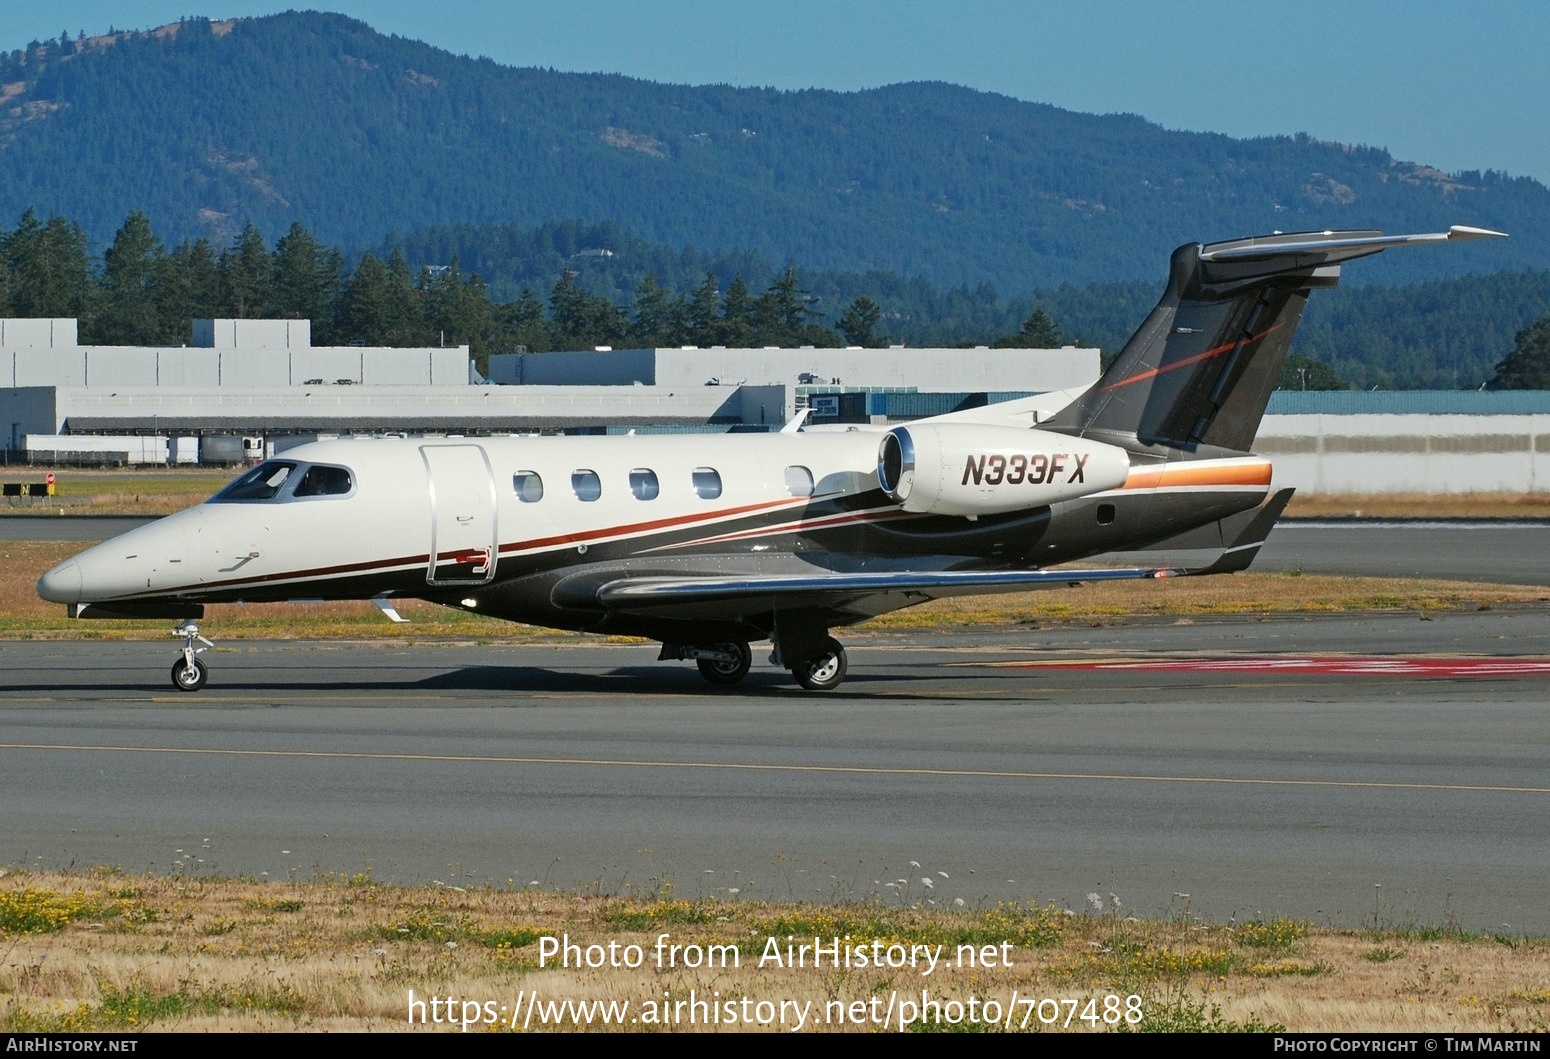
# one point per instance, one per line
(107, 952)
(24, 616)
(1238, 594)
(1421, 505)
(149, 491)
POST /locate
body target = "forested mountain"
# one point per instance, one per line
(312, 118)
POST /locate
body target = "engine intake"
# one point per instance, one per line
(975, 470)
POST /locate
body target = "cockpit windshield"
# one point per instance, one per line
(323, 481)
(284, 480)
(263, 482)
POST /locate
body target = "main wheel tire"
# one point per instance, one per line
(189, 678)
(719, 672)
(824, 673)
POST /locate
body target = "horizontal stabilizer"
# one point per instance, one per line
(1213, 536)
(1333, 246)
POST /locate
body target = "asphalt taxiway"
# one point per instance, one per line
(1036, 764)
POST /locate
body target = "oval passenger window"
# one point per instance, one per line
(643, 483)
(707, 483)
(586, 485)
(528, 486)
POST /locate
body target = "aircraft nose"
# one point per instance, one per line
(62, 584)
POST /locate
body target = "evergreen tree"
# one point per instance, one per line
(189, 288)
(366, 310)
(472, 320)
(1527, 367)
(303, 280)
(739, 326)
(408, 326)
(781, 314)
(859, 321)
(1038, 332)
(127, 307)
(50, 271)
(457, 311)
(703, 320)
(658, 318)
(520, 324)
(245, 277)
(569, 307)
(581, 319)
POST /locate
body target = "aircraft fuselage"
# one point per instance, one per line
(507, 526)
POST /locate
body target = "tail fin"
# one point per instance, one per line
(1200, 370)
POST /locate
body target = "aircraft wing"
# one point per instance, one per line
(845, 598)
(867, 593)
(642, 593)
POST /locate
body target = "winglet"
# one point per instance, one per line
(1245, 547)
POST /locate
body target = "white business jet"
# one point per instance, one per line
(707, 543)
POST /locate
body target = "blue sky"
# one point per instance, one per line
(1458, 86)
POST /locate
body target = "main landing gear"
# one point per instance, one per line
(188, 672)
(725, 663)
(825, 671)
(821, 667)
(719, 663)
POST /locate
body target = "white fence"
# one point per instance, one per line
(1408, 453)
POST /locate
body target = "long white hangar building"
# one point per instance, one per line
(245, 388)
(263, 383)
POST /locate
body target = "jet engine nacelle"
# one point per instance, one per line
(966, 469)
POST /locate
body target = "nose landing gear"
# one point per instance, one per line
(188, 672)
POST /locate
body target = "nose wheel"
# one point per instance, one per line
(188, 672)
(189, 677)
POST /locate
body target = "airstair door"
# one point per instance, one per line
(463, 515)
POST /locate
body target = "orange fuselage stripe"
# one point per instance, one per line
(1246, 474)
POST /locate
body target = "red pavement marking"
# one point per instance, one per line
(1398, 667)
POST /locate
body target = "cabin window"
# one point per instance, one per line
(799, 481)
(324, 481)
(643, 483)
(586, 485)
(261, 483)
(707, 483)
(528, 486)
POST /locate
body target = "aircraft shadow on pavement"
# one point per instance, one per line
(638, 681)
